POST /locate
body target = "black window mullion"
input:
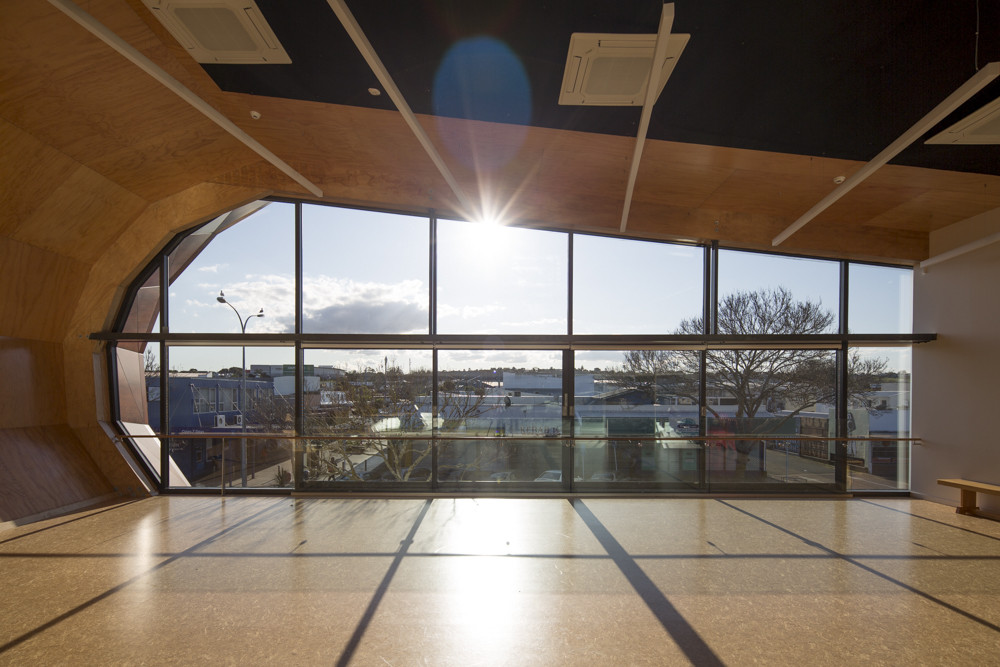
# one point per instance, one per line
(845, 287)
(164, 481)
(432, 330)
(569, 284)
(434, 418)
(712, 289)
(840, 451)
(703, 418)
(569, 411)
(432, 274)
(298, 454)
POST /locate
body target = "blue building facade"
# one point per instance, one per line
(208, 404)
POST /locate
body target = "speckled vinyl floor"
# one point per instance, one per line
(255, 581)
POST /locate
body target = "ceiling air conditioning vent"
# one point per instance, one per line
(220, 31)
(613, 70)
(980, 127)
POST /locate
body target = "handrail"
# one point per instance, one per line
(449, 436)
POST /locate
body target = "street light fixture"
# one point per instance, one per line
(243, 387)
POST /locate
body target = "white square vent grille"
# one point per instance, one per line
(980, 127)
(220, 31)
(613, 70)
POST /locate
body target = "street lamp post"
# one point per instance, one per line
(243, 385)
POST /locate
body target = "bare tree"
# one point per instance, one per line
(151, 365)
(794, 379)
(787, 381)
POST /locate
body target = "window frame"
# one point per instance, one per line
(567, 342)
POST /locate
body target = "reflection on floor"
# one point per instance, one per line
(503, 582)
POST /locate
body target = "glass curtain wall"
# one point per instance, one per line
(367, 416)
(501, 417)
(318, 347)
(636, 419)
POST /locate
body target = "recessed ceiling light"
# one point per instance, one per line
(839, 179)
(374, 92)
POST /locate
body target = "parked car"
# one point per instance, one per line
(609, 476)
(686, 426)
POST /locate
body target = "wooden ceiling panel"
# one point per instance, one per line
(74, 93)
(174, 160)
(899, 176)
(768, 193)
(736, 228)
(934, 210)
(67, 90)
(62, 84)
(662, 179)
(859, 242)
(80, 216)
(865, 203)
(24, 190)
(909, 197)
(260, 175)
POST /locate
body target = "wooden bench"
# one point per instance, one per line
(967, 504)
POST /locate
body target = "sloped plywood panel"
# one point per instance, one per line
(39, 291)
(32, 392)
(74, 93)
(45, 468)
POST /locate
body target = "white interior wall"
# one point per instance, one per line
(956, 379)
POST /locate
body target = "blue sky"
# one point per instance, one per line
(367, 272)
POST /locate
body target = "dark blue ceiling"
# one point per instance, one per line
(809, 77)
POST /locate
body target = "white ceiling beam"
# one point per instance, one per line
(961, 250)
(978, 81)
(652, 92)
(99, 30)
(382, 74)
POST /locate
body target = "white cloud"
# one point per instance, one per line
(340, 305)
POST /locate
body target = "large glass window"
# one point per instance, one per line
(501, 416)
(439, 356)
(769, 417)
(226, 420)
(367, 414)
(251, 261)
(878, 418)
(622, 286)
(363, 272)
(881, 299)
(637, 418)
(500, 280)
(775, 294)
